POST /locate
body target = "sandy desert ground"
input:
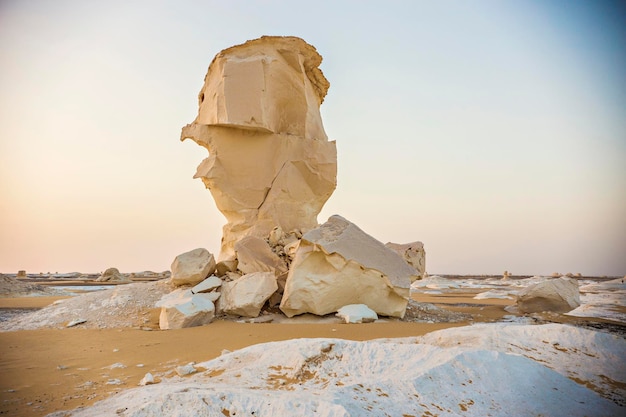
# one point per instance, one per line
(52, 368)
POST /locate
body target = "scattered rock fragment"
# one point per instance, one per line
(208, 285)
(189, 311)
(75, 322)
(357, 313)
(186, 369)
(148, 379)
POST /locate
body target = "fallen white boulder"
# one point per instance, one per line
(558, 295)
(190, 311)
(338, 264)
(357, 313)
(246, 295)
(192, 267)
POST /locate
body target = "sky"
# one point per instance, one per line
(492, 131)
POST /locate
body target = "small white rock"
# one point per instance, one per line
(357, 313)
(114, 382)
(75, 322)
(186, 369)
(147, 379)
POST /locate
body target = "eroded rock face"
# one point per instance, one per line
(193, 267)
(413, 253)
(338, 264)
(558, 295)
(270, 162)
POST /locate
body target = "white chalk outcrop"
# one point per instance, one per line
(270, 162)
(246, 296)
(193, 267)
(558, 295)
(472, 371)
(338, 264)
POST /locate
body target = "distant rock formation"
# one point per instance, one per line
(112, 275)
(270, 162)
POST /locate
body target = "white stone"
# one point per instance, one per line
(558, 295)
(207, 285)
(75, 322)
(270, 162)
(246, 295)
(192, 267)
(338, 264)
(413, 253)
(255, 255)
(148, 379)
(186, 369)
(357, 313)
(195, 310)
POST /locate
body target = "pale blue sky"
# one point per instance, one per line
(493, 131)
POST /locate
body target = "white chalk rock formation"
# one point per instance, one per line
(338, 264)
(193, 267)
(112, 275)
(255, 255)
(246, 295)
(208, 285)
(357, 313)
(413, 253)
(270, 162)
(187, 311)
(558, 295)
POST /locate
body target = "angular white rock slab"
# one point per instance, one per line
(338, 264)
(207, 285)
(195, 310)
(246, 295)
